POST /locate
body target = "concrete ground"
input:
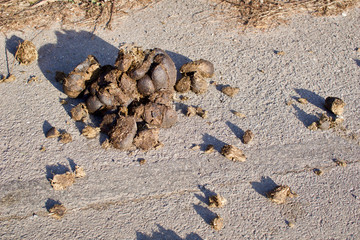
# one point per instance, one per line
(166, 198)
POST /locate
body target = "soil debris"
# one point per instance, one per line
(32, 79)
(280, 193)
(26, 53)
(239, 114)
(302, 100)
(318, 171)
(57, 211)
(290, 224)
(10, 78)
(230, 91)
(340, 163)
(335, 105)
(90, 132)
(280, 53)
(52, 133)
(62, 181)
(248, 136)
(209, 148)
(79, 172)
(79, 112)
(217, 201)
(65, 137)
(42, 149)
(63, 101)
(313, 126)
(184, 98)
(217, 223)
(233, 153)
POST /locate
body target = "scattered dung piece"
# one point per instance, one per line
(203, 67)
(213, 83)
(79, 172)
(195, 147)
(324, 122)
(340, 163)
(62, 181)
(142, 161)
(79, 112)
(335, 105)
(57, 211)
(302, 100)
(60, 76)
(183, 85)
(280, 193)
(26, 53)
(209, 149)
(198, 84)
(191, 111)
(63, 101)
(42, 149)
(147, 139)
(201, 112)
(10, 78)
(33, 79)
(106, 144)
(230, 91)
(313, 126)
(318, 171)
(280, 53)
(52, 133)
(217, 223)
(248, 136)
(290, 224)
(65, 137)
(217, 201)
(90, 132)
(239, 114)
(233, 153)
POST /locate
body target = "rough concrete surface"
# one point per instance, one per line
(166, 198)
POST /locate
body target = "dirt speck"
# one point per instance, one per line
(33, 79)
(318, 171)
(341, 163)
(42, 149)
(90, 132)
(290, 224)
(142, 161)
(217, 201)
(65, 137)
(217, 223)
(26, 53)
(233, 153)
(57, 211)
(280, 194)
(239, 114)
(195, 147)
(62, 181)
(230, 91)
(106, 144)
(248, 136)
(290, 102)
(63, 101)
(52, 133)
(201, 112)
(280, 53)
(335, 105)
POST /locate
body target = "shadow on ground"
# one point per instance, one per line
(312, 98)
(265, 185)
(207, 193)
(211, 140)
(305, 118)
(163, 233)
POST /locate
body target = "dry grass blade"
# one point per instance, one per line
(268, 13)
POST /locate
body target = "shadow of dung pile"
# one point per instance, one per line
(265, 185)
(163, 233)
(312, 98)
